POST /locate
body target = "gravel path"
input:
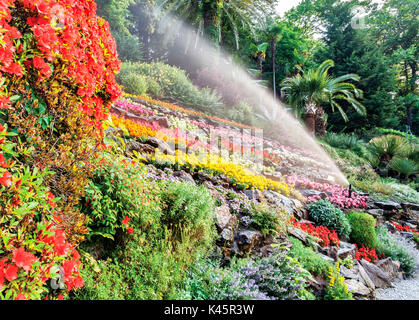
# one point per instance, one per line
(403, 290)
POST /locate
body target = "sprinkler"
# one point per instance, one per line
(350, 191)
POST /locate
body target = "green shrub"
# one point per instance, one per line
(346, 141)
(310, 261)
(172, 82)
(132, 83)
(110, 197)
(362, 229)
(269, 219)
(153, 88)
(242, 113)
(325, 214)
(397, 248)
(187, 207)
(385, 148)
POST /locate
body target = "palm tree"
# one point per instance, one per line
(208, 15)
(259, 52)
(274, 34)
(308, 91)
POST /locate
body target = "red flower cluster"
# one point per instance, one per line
(366, 253)
(401, 228)
(69, 38)
(326, 236)
(125, 221)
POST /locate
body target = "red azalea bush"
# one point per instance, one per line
(326, 236)
(57, 83)
(34, 247)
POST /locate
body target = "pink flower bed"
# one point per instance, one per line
(339, 194)
(129, 106)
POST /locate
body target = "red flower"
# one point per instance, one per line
(3, 162)
(20, 296)
(6, 179)
(60, 297)
(130, 230)
(23, 259)
(10, 272)
(126, 221)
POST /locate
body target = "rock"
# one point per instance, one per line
(407, 235)
(327, 258)
(357, 288)
(348, 273)
(364, 277)
(226, 237)
(376, 212)
(410, 206)
(224, 218)
(248, 239)
(161, 145)
(345, 252)
(311, 193)
(202, 176)
(266, 251)
(184, 176)
(388, 205)
(298, 233)
(389, 267)
(141, 147)
(253, 194)
(161, 121)
(380, 278)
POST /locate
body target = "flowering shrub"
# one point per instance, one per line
(34, 245)
(57, 83)
(326, 236)
(116, 194)
(325, 214)
(337, 289)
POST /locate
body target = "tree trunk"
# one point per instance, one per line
(212, 17)
(320, 122)
(273, 65)
(310, 122)
(310, 117)
(260, 63)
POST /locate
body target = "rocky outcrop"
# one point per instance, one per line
(379, 278)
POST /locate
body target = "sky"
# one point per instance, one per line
(285, 5)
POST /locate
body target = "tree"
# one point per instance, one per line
(209, 15)
(116, 12)
(312, 89)
(396, 27)
(274, 35)
(358, 51)
(259, 52)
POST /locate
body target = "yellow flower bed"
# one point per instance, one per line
(232, 170)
